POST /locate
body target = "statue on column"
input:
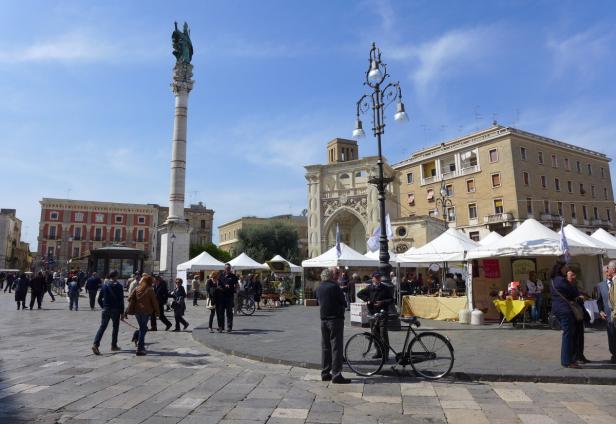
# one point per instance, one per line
(182, 46)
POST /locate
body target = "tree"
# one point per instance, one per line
(263, 242)
(212, 249)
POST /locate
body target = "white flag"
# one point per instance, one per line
(373, 241)
(338, 247)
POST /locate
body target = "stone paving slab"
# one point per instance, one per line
(48, 374)
(291, 336)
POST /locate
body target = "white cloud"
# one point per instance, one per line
(581, 52)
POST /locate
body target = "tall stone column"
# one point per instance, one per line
(175, 231)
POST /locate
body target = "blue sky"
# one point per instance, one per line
(86, 110)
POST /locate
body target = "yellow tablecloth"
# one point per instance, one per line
(511, 308)
(439, 308)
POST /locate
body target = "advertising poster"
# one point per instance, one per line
(491, 268)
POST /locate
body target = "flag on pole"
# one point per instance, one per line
(389, 231)
(338, 246)
(373, 241)
(564, 246)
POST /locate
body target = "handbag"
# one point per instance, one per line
(577, 310)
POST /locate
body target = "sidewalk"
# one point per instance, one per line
(291, 336)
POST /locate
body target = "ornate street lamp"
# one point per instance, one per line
(380, 97)
(444, 201)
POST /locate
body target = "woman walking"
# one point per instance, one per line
(142, 303)
(212, 291)
(179, 295)
(563, 294)
(21, 285)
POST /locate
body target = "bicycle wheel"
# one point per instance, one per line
(363, 354)
(431, 355)
(247, 306)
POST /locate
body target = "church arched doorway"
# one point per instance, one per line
(352, 231)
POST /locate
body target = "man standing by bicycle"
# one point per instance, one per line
(378, 297)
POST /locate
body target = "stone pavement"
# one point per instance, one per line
(291, 336)
(48, 374)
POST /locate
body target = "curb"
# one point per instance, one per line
(455, 375)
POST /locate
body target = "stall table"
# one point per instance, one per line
(432, 307)
(510, 309)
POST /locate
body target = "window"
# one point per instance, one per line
(608, 214)
(582, 191)
(578, 166)
(585, 211)
(409, 178)
(523, 153)
(54, 216)
(77, 233)
(117, 234)
(141, 219)
(592, 191)
(451, 214)
(569, 186)
(79, 216)
(595, 212)
(540, 157)
(493, 153)
(529, 205)
(496, 180)
(546, 206)
(470, 186)
(401, 231)
(203, 224)
(75, 252)
(449, 190)
(559, 205)
(556, 184)
(544, 182)
(498, 206)
(98, 234)
(474, 235)
(567, 164)
(472, 211)
(589, 167)
(526, 178)
(554, 161)
(605, 193)
(602, 172)
(99, 217)
(411, 199)
(52, 232)
(119, 219)
(140, 234)
(430, 196)
(433, 213)
(50, 252)
(573, 212)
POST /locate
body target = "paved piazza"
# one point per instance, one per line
(48, 374)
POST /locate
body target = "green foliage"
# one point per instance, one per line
(263, 242)
(212, 249)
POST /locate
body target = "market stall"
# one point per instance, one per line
(605, 238)
(243, 262)
(199, 264)
(285, 284)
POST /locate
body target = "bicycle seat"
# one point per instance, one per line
(410, 320)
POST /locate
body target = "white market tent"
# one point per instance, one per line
(348, 257)
(532, 238)
(393, 257)
(451, 246)
(292, 267)
(490, 238)
(604, 237)
(573, 233)
(202, 262)
(245, 262)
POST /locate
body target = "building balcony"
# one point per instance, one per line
(334, 194)
(498, 218)
(597, 222)
(471, 169)
(548, 217)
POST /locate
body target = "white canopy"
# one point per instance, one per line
(451, 246)
(604, 237)
(243, 262)
(292, 267)
(393, 257)
(202, 262)
(348, 257)
(532, 239)
(573, 233)
(490, 238)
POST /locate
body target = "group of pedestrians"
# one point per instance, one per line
(19, 284)
(220, 290)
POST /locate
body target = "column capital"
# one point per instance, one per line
(182, 79)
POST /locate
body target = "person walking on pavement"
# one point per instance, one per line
(563, 294)
(179, 296)
(378, 297)
(212, 291)
(48, 286)
(92, 285)
(21, 291)
(332, 303)
(578, 341)
(10, 280)
(162, 294)
(607, 306)
(111, 301)
(37, 289)
(73, 294)
(196, 286)
(142, 303)
(224, 304)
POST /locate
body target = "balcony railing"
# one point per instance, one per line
(497, 218)
(346, 192)
(597, 222)
(451, 174)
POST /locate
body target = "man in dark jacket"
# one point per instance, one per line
(37, 289)
(111, 300)
(606, 309)
(92, 285)
(48, 285)
(224, 304)
(332, 304)
(378, 297)
(162, 294)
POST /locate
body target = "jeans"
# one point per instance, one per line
(331, 346)
(106, 315)
(567, 323)
(535, 312)
(73, 301)
(92, 295)
(142, 320)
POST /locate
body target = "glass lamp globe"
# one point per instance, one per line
(375, 73)
(400, 115)
(358, 132)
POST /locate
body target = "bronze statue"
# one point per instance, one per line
(182, 46)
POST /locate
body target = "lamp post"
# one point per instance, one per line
(172, 243)
(444, 201)
(382, 95)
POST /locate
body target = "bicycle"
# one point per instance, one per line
(430, 354)
(246, 304)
